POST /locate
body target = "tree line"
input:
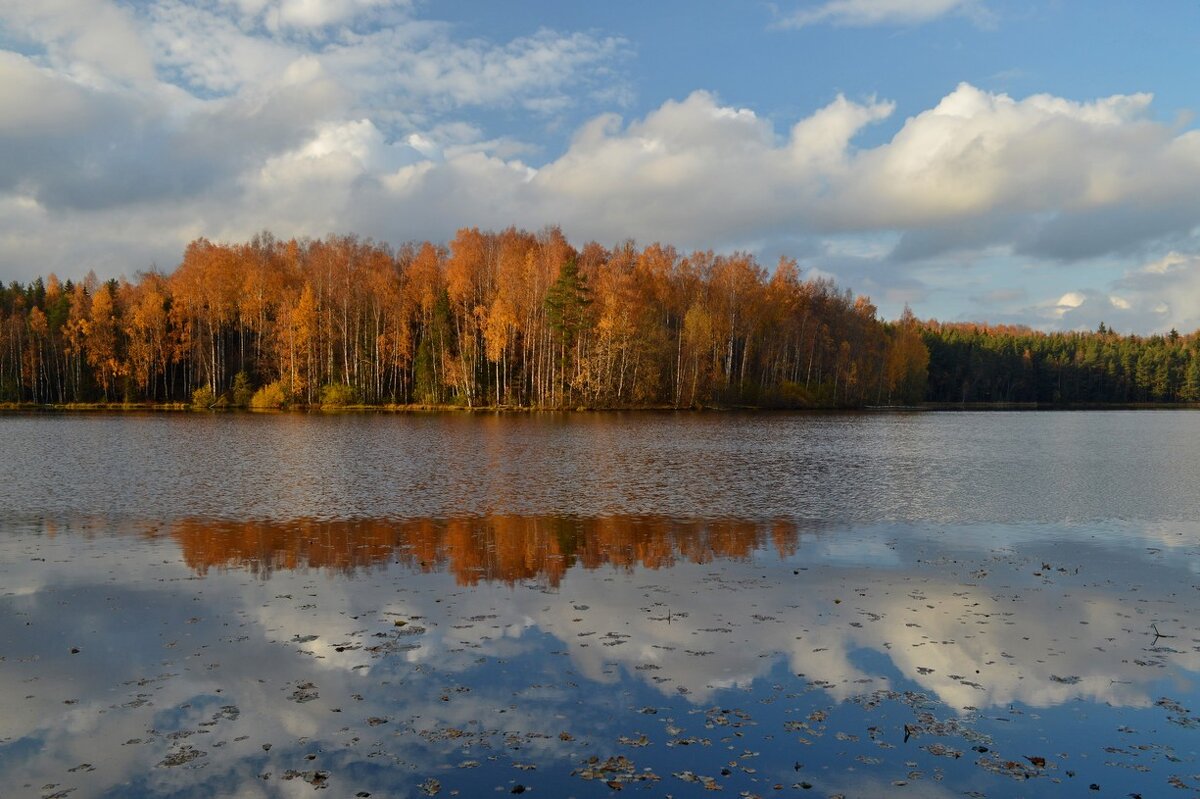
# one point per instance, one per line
(517, 319)
(508, 319)
(980, 363)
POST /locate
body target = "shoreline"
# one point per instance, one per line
(928, 407)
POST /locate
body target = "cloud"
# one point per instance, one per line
(1158, 296)
(958, 236)
(423, 62)
(358, 115)
(978, 153)
(1070, 301)
(94, 40)
(75, 146)
(210, 53)
(206, 107)
(319, 13)
(1154, 297)
(308, 16)
(859, 13)
(406, 63)
(1163, 212)
(978, 170)
(37, 103)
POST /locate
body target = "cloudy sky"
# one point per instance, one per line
(1031, 162)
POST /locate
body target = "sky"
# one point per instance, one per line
(1013, 162)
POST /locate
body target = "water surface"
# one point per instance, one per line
(992, 467)
(925, 605)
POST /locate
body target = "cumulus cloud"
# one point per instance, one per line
(977, 170)
(980, 153)
(882, 12)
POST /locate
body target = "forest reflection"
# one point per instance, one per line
(507, 549)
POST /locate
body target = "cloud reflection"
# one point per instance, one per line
(428, 643)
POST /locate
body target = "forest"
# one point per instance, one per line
(971, 363)
(509, 319)
(522, 320)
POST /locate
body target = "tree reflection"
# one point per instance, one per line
(506, 549)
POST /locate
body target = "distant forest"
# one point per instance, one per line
(516, 319)
(982, 363)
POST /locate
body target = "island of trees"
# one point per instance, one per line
(516, 319)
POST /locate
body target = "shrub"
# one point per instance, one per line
(203, 398)
(787, 395)
(272, 395)
(336, 395)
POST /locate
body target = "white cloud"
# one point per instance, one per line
(318, 13)
(210, 52)
(1171, 263)
(978, 169)
(307, 15)
(982, 153)
(1072, 299)
(93, 40)
(882, 12)
(824, 138)
(409, 64)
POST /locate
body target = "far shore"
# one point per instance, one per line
(166, 407)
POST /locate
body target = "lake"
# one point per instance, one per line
(858, 605)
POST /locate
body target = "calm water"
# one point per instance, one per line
(767, 605)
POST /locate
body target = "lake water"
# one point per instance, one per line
(976, 604)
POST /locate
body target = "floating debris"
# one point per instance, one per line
(182, 756)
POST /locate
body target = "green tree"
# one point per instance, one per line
(242, 391)
(567, 304)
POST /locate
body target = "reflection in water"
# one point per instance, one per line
(507, 549)
(491, 652)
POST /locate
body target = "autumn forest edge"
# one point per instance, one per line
(517, 319)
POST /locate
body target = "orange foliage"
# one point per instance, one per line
(475, 323)
(507, 549)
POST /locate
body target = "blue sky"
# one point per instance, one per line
(1022, 162)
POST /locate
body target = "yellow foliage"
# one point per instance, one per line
(272, 395)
